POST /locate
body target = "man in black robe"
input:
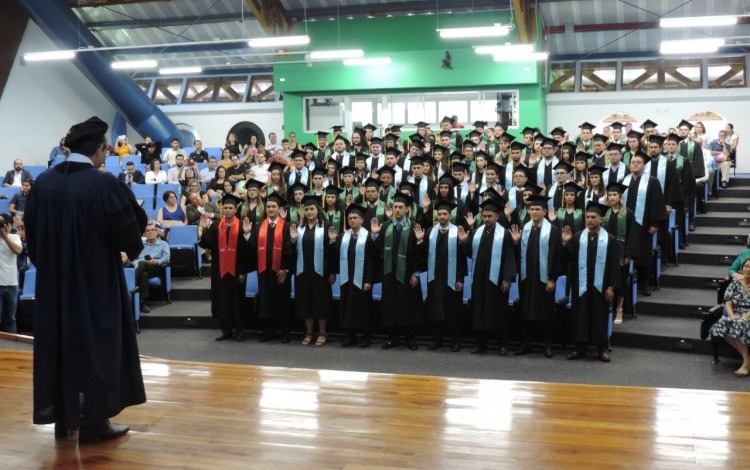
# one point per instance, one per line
(593, 277)
(401, 306)
(540, 265)
(228, 241)
(271, 241)
(446, 269)
(686, 180)
(78, 220)
(665, 171)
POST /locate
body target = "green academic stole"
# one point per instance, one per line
(622, 220)
(680, 163)
(294, 215)
(335, 220)
(342, 196)
(577, 217)
(402, 248)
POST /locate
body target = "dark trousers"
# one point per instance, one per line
(144, 272)
(545, 330)
(440, 329)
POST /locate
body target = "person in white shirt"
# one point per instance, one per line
(209, 173)
(170, 155)
(10, 248)
(260, 169)
(156, 175)
(272, 145)
(174, 174)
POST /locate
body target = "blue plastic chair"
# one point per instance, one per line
(9, 191)
(132, 158)
(4, 206)
(140, 167)
(251, 284)
(165, 284)
(377, 291)
(213, 152)
(183, 237)
(292, 294)
(467, 288)
(513, 295)
(562, 296)
(35, 170)
(135, 296)
(162, 188)
(29, 285)
(115, 169)
(113, 160)
(58, 159)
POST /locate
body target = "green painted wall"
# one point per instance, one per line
(416, 51)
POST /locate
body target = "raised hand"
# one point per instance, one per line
(374, 226)
(470, 219)
(388, 211)
(567, 234)
(532, 160)
(332, 234)
(282, 213)
(552, 215)
(419, 232)
(293, 233)
(247, 226)
(462, 234)
(426, 200)
(205, 220)
(507, 210)
(515, 233)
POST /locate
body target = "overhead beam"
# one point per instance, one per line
(734, 69)
(106, 3)
(674, 73)
(164, 22)
(625, 26)
(596, 80)
(271, 15)
(417, 7)
(642, 78)
(525, 15)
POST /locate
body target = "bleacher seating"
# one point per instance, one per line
(164, 282)
(113, 160)
(58, 159)
(115, 168)
(135, 296)
(9, 191)
(213, 152)
(251, 284)
(35, 170)
(184, 238)
(4, 206)
(131, 158)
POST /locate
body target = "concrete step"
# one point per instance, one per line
(693, 276)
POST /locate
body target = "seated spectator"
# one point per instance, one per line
(189, 174)
(734, 326)
(175, 173)
(735, 270)
(216, 184)
(272, 145)
(722, 152)
(60, 150)
(260, 169)
(208, 173)
(197, 206)
(17, 175)
(150, 152)
(198, 155)
(123, 148)
(170, 156)
(173, 213)
(236, 172)
(232, 145)
(226, 159)
(193, 186)
(131, 176)
(151, 262)
(18, 201)
(156, 175)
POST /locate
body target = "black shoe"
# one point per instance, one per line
(435, 345)
(239, 336)
(392, 343)
(524, 349)
(103, 431)
(350, 341)
(548, 352)
(266, 337)
(144, 308)
(365, 343)
(61, 432)
(646, 292)
(412, 344)
(285, 338)
(224, 336)
(455, 347)
(479, 349)
(502, 351)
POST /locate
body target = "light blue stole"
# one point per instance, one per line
(601, 260)
(452, 236)
(661, 171)
(589, 196)
(304, 178)
(620, 174)
(319, 247)
(509, 174)
(359, 257)
(543, 249)
(496, 257)
(542, 166)
(551, 195)
(640, 203)
(512, 197)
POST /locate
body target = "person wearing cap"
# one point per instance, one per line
(376, 158)
(665, 171)
(616, 137)
(314, 273)
(271, 241)
(599, 153)
(584, 141)
(340, 155)
(693, 154)
(496, 139)
(298, 173)
(309, 149)
(569, 214)
(369, 132)
(446, 124)
(84, 334)
(516, 160)
(295, 213)
(493, 271)
(332, 211)
(616, 169)
(276, 182)
(687, 184)
(374, 206)
(541, 174)
(446, 268)
(323, 152)
(501, 149)
(645, 198)
(479, 165)
(424, 185)
(228, 241)
(361, 173)
(633, 145)
(567, 152)
(461, 190)
(620, 221)
(446, 141)
(555, 192)
(596, 190)
(515, 191)
(581, 169)
(318, 182)
(593, 276)
(649, 129)
(391, 161)
(416, 146)
(439, 163)
(446, 192)
(332, 174)
(467, 150)
(350, 193)
(401, 305)
(540, 245)
(520, 215)
(358, 143)
(253, 206)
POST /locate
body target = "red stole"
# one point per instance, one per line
(277, 245)
(228, 248)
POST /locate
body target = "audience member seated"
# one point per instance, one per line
(175, 172)
(173, 213)
(188, 174)
(131, 176)
(60, 150)
(226, 159)
(216, 184)
(735, 270)
(734, 326)
(197, 206)
(232, 145)
(18, 201)
(123, 148)
(198, 155)
(170, 156)
(17, 175)
(260, 169)
(722, 152)
(192, 186)
(150, 151)
(151, 262)
(236, 172)
(156, 175)
(208, 173)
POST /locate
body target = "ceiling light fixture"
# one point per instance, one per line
(134, 64)
(505, 49)
(697, 21)
(337, 54)
(691, 46)
(475, 32)
(280, 41)
(536, 56)
(48, 55)
(367, 61)
(180, 70)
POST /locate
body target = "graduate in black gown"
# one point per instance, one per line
(313, 271)
(355, 261)
(493, 271)
(440, 249)
(401, 305)
(227, 240)
(446, 192)
(620, 222)
(593, 280)
(540, 266)
(665, 171)
(78, 220)
(271, 241)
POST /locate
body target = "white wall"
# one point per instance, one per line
(665, 107)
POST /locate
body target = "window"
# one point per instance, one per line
(598, 76)
(726, 72)
(324, 113)
(682, 73)
(215, 89)
(167, 90)
(562, 77)
(261, 88)
(640, 75)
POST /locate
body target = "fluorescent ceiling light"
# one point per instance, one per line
(280, 41)
(179, 70)
(506, 49)
(339, 54)
(49, 55)
(474, 32)
(697, 21)
(362, 61)
(520, 57)
(691, 46)
(134, 64)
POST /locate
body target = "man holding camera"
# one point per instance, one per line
(10, 248)
(131, 176)
(151, 262)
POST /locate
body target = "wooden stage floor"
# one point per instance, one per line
(217, 416)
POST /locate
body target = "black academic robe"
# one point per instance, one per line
(312, 292)
(626, 243)
(589, 315)
(538, 305)
(600, 160)
(549, 174)
(227, 293)
(401, 304)
(355, 304)
(489, 305)
(86, 364)
(273, 298)
(655, 214)
(673, 193)
(373, 213)
(444, 304)
(430, 217)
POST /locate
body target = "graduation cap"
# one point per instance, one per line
(548, 141)
(323, 134)
(428, 159)
(390, 137)
(494, 195)
(537, 200)
(617, 125)
(481, 124)
(685, 123)
(456, 156)
(446, 119)
(528, 131)
(445, 205)
(599, 138)
(597, 170)
(408, 186)
(531, 187)
(277, 198)
(467, 143)
(386, 169)
(90, 130)
(372, 182)
(518, 146)
(395, 128)
(331, 161)
(587, 125)
(614, 146)
(570, 146)
(371, 127)
(446, 134)
(635, 135)
(341, 137)
(421, 124)
(449, 180)
(418, 160)
(491, 165)
(355, 209)
(643, 155)
(596, 208)
(491, 205)
(337, 128)
(254, 184)
(403, 198)
(311, 146)
(298, 186)
(673, 137)
(562, 165)
(439, 148)
(393, 151)
(507, 137)
(416, 142)
(482, 153)
(332, 190)
(276, 166)
(311, 200)
(319, 171)
(231, 199)
(557, 131)
(348, 170)
(377, 140)
(571, 187)
(458, 166)
(475, 133)
(615, 186)
(656, 139)
(648, 124)
(523, 169)
(582, 156)
(298, 153)
(540, 138)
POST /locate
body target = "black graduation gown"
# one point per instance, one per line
(625, 246)
(443, 303)
(673, 193)
(312, 292)
(590, 313)
(227, 293)
(401, 304)
(355, 305)
(549, 174)
(537, 305)
(273, 298)
(78, 220)
(655, 214)
(430, 217)
(488, 303)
